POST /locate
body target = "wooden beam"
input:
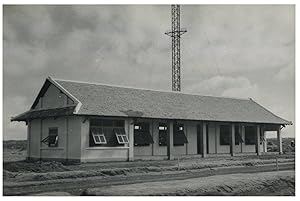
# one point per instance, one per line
(257, 144)
(170, 145)
(232, 142)
(264, 143)
(28, 139)
(203, 135)
(131, 140)
(242, 133)
(279, 140)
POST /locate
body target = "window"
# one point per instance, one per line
(107, 123)
(238, 136)
(224, 135)
(137, 127)
(179, 136)
(121, 136)
(118, 123)
(52, 138)
(250, 135)
(102, 133)
(98, 136)
(163, 129)
(142, 136)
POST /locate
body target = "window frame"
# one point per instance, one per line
(108, 125)
(162, 128)
(99, 135)
(137, 127)
(121, 137)
(55, 144)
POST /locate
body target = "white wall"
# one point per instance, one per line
(74, 137)
(212, 134)
(53, 98)
(68, 138)
(191, 134)
(60, 150)
(34, 138)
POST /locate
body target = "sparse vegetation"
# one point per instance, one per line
(286, 145)
(16, 170)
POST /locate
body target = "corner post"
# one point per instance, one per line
(170, 142)
(242, 132)
(263, 132)
(28, 139)
(204, 146)
(232, 142)
(279, 140)
(131, 140)
(257, 144)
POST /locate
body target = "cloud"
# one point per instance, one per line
(226, 86)
(286, 73)
(228, 50)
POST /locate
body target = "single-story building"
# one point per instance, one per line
(87, 122)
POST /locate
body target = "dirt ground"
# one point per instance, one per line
(40, 171)
(78, 182)
(21, 177)
(267, 183)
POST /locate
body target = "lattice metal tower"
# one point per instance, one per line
(175, 34)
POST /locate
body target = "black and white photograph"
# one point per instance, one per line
(148, 99)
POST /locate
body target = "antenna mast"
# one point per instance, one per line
(175, 34)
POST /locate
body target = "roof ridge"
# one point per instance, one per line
(138, 88)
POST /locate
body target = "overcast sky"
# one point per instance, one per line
(237, 51)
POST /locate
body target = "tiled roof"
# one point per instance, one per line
(106, 100)
(35, 114)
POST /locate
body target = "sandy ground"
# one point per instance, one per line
(10, 155)
(28, 171)
(267, 183)
(78, 185)
(22, 178)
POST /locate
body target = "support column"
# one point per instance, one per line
(242, 132)
(41, 138)
(170, 145)
(28, 139)
(67, 139)
(232, 141)
(131, 140)
(204, 145)
(265, 143)
(257, 145)
(279, 140)
(265, 150)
